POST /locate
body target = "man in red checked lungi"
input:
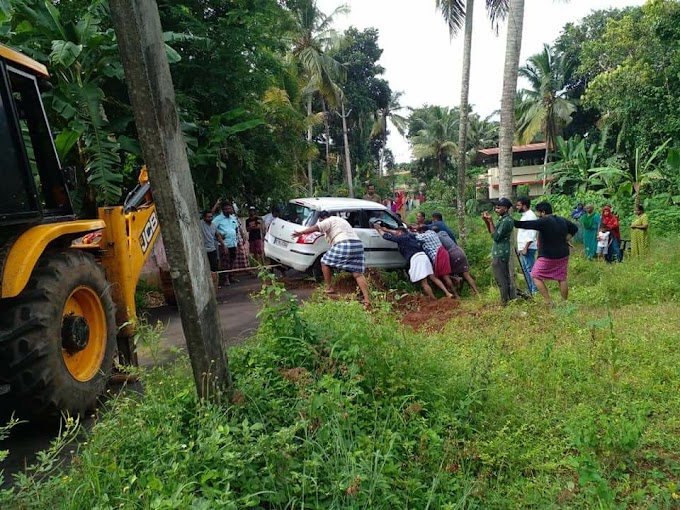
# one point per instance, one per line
(554, 234)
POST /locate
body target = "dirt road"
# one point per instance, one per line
(238, 314)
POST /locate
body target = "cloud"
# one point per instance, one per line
(422, 61)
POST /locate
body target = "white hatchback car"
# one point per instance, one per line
(304, 253)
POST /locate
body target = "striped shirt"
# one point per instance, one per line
(430, 242)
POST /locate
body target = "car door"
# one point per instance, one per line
(355, 217)
(380, 252)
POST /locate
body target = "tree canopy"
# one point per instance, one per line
(242, 98)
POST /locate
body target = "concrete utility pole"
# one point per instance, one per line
(348, 163)
(147, 73)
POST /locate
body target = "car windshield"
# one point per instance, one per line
(296, 213)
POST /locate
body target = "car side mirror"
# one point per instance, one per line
(70, 177)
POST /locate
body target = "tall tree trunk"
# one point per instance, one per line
(382, 170)
(328, 143)
(513, 47)
(348, 164)
(310, 176)
(149, 83)
(439, 167)
(548, 146)
(464, 111)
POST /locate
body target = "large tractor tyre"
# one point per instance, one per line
(58, 337)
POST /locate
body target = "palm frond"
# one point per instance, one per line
(102, 162)
(315, 119)
(276, 97)
(497, 11)
(453, 12)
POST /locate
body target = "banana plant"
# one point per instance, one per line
(87, 104)
(578, 165)
(644, 172)
(81, 56)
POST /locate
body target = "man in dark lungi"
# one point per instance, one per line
(554, 234)
(346, 253)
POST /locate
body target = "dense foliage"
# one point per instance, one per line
(241, 74)
(628, 102)
(337, 408)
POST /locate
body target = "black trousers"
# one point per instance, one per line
(212, 259)
(501, 272)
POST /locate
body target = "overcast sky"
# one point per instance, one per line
(423, 62)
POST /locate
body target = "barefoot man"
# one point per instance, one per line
(420, 267)
(346, 253)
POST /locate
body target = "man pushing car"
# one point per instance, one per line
(346, 252)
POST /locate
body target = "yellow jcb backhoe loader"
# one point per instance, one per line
(67, 285)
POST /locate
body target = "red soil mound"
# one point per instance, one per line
(422, 313)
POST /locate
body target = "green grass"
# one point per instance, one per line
(516, 407)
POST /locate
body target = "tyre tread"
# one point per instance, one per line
(41, 385)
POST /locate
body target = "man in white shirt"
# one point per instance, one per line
(526, 240)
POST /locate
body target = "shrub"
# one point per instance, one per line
(516, 407)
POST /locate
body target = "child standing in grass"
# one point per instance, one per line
(603, 242)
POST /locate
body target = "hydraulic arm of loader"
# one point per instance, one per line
(130, 233)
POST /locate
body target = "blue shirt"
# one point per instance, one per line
(444, 227)
(228, 227)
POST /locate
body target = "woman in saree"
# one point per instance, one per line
(612, 221)
(400, 204)
(591, 223)
(639, 233)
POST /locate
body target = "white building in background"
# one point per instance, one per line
(527, 169)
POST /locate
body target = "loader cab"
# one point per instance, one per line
(33, 187)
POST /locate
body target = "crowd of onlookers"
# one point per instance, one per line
(224, 238)
(602, 233)
(543, 244)
(549, 237)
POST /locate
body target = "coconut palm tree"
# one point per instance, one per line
(513, 46)
(545, 106)
(380, 119)
(312, 37)
(482, 133)
(436, 132)
(455, 14)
